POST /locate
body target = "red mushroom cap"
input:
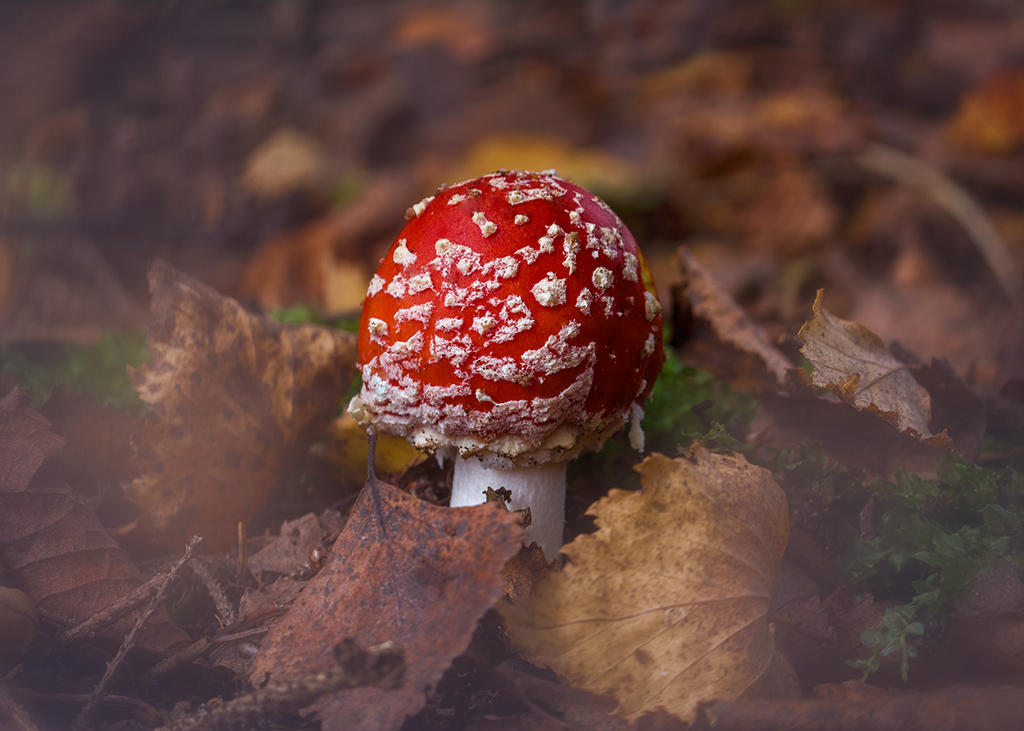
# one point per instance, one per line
(514, 319)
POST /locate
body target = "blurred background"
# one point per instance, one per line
(871, 147)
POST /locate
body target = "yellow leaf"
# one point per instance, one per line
(605, 174)
(666, 605)
(286, 161)
(853, 363)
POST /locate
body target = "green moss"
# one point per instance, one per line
(99, 370)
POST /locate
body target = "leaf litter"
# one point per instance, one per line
(750, 150)
(666, 605)
(402, 571)
(235, 398)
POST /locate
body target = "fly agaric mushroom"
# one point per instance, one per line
(512, 325)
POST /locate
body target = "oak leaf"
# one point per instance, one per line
(236, 399)
(404, 571)
(854, 364)
(666, 604)
(52, 547)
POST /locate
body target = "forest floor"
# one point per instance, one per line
(830, 197)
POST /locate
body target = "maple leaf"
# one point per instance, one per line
(404, 571)
(853, 363)
(236, 398)
(53, 547)
(666, 604)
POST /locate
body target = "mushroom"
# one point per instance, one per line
(513, 324)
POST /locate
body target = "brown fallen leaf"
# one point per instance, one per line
(236, 399)
(748, 359)
(990, 120)
(854, 364)
(324, 261)
(52, 547)
(403, 571)
(666, 605)
(287, 553)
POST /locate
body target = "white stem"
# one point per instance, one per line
(541, 488)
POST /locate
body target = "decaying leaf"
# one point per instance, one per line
(287, 553)
(748, 358)
(402, 570)
(52, 547)
(666, 604)
(236, 398)
(854, 364)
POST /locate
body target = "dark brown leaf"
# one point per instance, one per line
(53, 547)
(405, 571)
(724, 340)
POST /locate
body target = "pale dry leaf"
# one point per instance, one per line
(853, 363)
(236, 399)
(666, 605)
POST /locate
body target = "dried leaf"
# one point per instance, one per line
(853, 363)
(405, 571)
(524, 570)
(236, 399)
(990, 120)
(286, 161)
(19, 622)
(52, 547)
(462, 31)
(666, 604)
(748, 358)
(288, 552)
(323, 262)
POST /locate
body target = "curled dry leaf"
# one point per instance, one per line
(666, 605)
(404, 571)
(854, 364)
(748, 359)
(53, 547)
(236, 398)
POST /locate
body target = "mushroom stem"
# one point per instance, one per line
(542, 488)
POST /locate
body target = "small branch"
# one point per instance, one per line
(109, 615)
(382, 666)
(84, 718)
(139, 710)
(958, 203)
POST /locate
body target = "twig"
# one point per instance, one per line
(225, 609)
(141, 711)
(382, 666)
(958, 203)
(242, 566)
(107, 616)
(84, 718)
(182, 657)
